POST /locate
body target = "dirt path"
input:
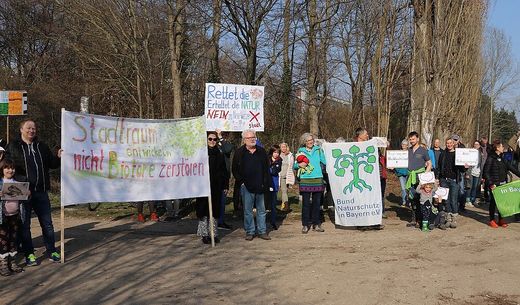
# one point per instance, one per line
(120, 262)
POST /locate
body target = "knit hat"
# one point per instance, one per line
(455, 137)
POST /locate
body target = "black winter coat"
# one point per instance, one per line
(219, 181)
(239, 170)
(18, 151)
(443, 167)
(496, 168)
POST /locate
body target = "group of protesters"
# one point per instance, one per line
(260, 173)
(26, 159)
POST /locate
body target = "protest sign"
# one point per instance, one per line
(110, 159)
(13, 102)
(428, 177)
(15, 190)
(397, 158)
(355, 184)
(507, 197)
(442, 192)
(467, 156)
(380, 141)
(231, 107)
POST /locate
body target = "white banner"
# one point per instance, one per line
(110, 159)
(234, 107)
(353, 170)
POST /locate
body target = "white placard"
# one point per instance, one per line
(380, 141)
(397, 158)
(231, 107)
(15, 191)
(442, 192)
(467, 156)
(111, 159)
(355, 183)
(428, 177)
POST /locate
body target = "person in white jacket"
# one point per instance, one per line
(286, 174)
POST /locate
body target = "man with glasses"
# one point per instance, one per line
(251, 167)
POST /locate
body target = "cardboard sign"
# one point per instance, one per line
(467, 156)
(428, 177)
(397, 158)
(380, 141)
(15, 191)
(442, 192)
(230, 107)
(13, 102)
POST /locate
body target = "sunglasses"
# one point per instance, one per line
(212, 139)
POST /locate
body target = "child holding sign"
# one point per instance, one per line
(10, 221)
(429, 209)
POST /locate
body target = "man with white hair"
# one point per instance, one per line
(251, 167)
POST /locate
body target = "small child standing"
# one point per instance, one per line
(275, 167)
(10, 221)
(426, 192)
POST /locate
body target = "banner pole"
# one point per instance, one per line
(7, 125)
(62, 210)
(211, 224)
(62, 234)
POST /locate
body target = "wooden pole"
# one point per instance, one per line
(211, 224)
(62, 212)
(62, 235)
(7, 125)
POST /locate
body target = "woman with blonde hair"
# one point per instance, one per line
(286, 174)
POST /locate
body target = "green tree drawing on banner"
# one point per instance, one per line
(356, 160)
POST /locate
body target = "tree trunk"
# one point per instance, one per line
(312, 70)
(175, 37)
(214, 74)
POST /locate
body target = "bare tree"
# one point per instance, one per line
(214, 75)
(501, 72)
(244, 21)
(446, 66)
(176, 12)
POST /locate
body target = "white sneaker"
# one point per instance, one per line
(469, 205)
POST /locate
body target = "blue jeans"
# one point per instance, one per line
(452, 204)
(249, 201)
(472, 192)
(311, 209)
(41, 205)
(402, 182)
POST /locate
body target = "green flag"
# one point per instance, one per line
(507, 197)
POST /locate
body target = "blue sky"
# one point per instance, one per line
(504, 14)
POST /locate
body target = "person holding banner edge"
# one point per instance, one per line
(250, 166)
(495, 174)
(33, 160)
(418, 162)
(219, 183)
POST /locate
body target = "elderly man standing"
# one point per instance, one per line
(251, 167)
(33, 160)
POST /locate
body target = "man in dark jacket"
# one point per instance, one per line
(33, 160)
(251, 167)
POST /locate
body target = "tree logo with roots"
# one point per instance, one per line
(356, 160)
